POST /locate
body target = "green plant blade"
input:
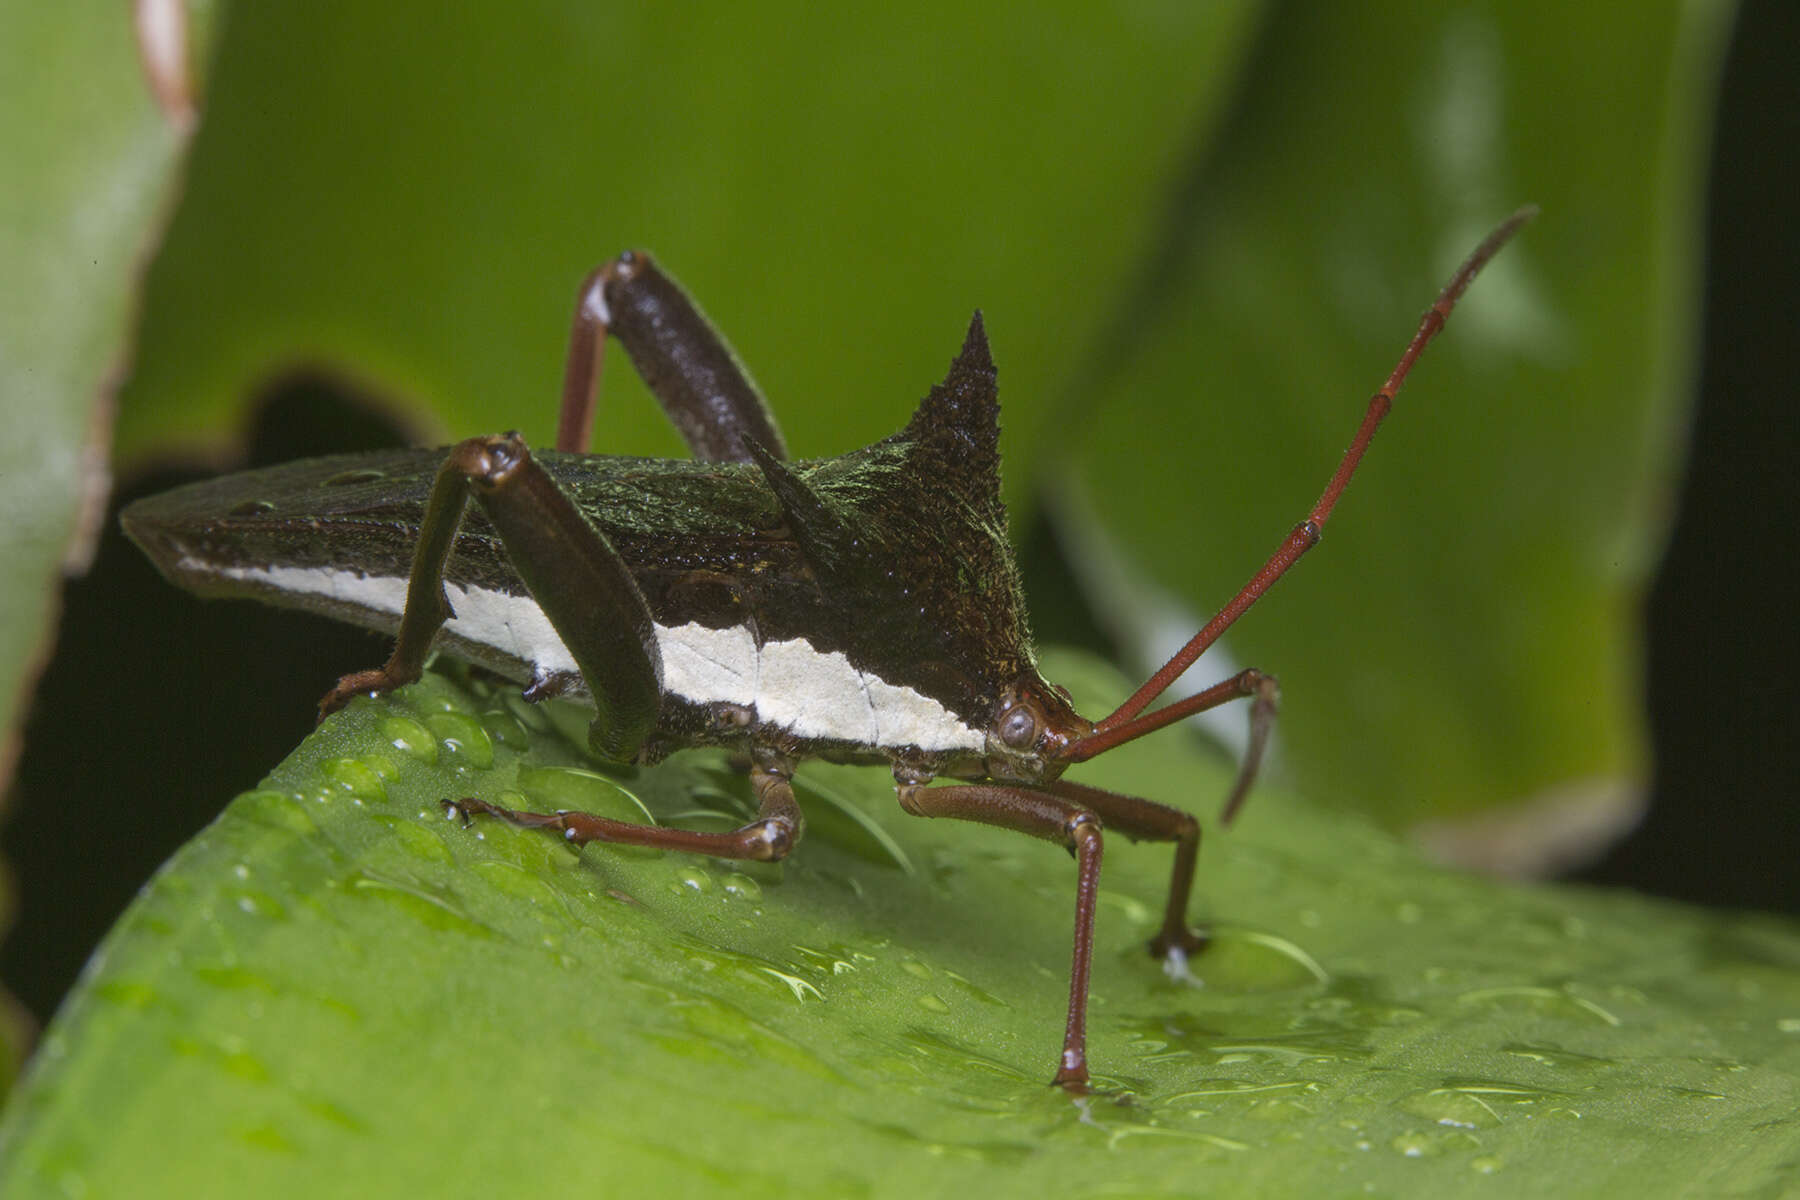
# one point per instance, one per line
(90, 161)
(410, 195)
(333, 988)
(1468, 630)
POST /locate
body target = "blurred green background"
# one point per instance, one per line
(1200, 235)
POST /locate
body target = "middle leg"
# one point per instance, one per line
(1055, 819)
(1145, 820)
(777, 827)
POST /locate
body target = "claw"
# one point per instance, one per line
(361, 683)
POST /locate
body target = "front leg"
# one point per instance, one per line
(427, 608)
(1055, 819)
(568, 566)
(1145, 820)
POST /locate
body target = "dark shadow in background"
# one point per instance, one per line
(1724, 680)
(162, 702)
(1723, 667)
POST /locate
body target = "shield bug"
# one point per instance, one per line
(864, 608)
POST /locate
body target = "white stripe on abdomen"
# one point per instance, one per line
(788, 684)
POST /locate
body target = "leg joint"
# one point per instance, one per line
(769, 840)
(1187, 827)
(1081, 830)
(489, 461)
(1262, 686)
(908, 794)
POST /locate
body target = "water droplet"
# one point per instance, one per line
(409, 737)
(1196, 1147)
(933, 1004)
(1249, 960)
(1543, 999)
(1485, 1164)
(741, 886)
(835, 960)
(1555, 1056)
(946, 1061)
(801, 989)
(431, 909)
(970, 989)
(748, 968)
(462, 736)
(353, 776)
(575, 790)
(1310, 1046)
(250, 508)
(259, 904)
(713, 1028)
(1788, 1025)
(1279, 1108)
(1210, 1090)
(915, 968)
(1414, 1144)
(275, 809)
(1499, 1091)
(433, 695)
(530, 715)
(519, 883)
(691, 879)
(505, 729)
(418, 840)
(1448, 1106)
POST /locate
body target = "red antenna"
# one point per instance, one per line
(1129, 721)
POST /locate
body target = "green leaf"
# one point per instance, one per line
(409, 195)
(334, 987)
(1467, 634)
(89, 162)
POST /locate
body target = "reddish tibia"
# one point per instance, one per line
(581, 370)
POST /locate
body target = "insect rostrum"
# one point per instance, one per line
(863, 608)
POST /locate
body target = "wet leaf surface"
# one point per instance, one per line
(335, 983)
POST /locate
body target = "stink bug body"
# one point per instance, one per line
(864, 608)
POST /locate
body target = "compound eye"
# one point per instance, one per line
(1019, 727)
